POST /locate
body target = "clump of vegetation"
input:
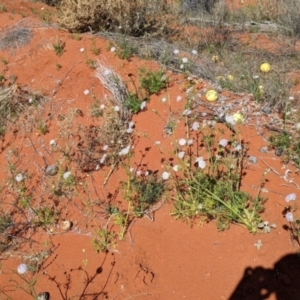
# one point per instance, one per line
(210, 186)
(130, 17)
(59, 47)
(153, 82)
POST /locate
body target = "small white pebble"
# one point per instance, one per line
(81, 50)
(52, 143)
(112, 49)
(86, 92)
(178, 98)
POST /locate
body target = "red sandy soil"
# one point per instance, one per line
(163, 259)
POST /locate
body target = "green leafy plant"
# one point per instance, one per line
(153, 81)
(91, 63)
(133, 103)
(104, 240)
(42, 127)
(59, 47)
(210, 187)
(143, 191)
(125, 50)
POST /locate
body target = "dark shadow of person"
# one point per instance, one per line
(283, 281)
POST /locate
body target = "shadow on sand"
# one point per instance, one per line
(283, 281)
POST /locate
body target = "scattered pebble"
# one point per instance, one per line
(51, 170)
(252, 159)
(263, 149)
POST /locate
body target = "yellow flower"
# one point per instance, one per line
(230, 77)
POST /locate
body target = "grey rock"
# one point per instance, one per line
(267, 110)
(43, 296)
(51, 170)
(252, 159)
(263, 149)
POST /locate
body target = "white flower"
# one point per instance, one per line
(164, 99)
(195, 126)
(22, 269)
(19, 177)
(117, 108)
(131, 124)
(52, 143)
(143, 105)
(178, 98)
(86, 92)
(138, 172)
(107, 72)
(81, 50)
(165, 175)
(146, 173)
(176, 168)
(201, 163)
(131, 170)
(186, 112)
(289, 217)
(181, 154)
(102, 106)
(67, 175)
(157, 142)
(185, 60)
(176, 51)
(238, 148)
(291, 98)
(290, 197)
(194, 52)
(181, 66)
(129, 130)
(112, 49)
(124, 151)
(105, 147)
(230, 120)
(255, 76)
(30, 100)
(182, 142)
(190, 142)
(102, 160)
(223, 142)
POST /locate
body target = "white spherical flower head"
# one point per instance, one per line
(124, 151)
(143, 105)
(178, 98)
(238, 147)
(175, 168)
(105, 147)
(107, 72)
(290, 197)
(195, 126)
(129, 130)
(52, 143)
(102, 160)
(165, 175)
(138, 173)
(117, 108)
(86, 92)
(230, 120)
(67, 175)
(289, 217)
(30, 100)
(200, 162)
(19, 178)
(22, 269)
(181, 66)
(190, 142)
(186, 112)
(164, 99)
(131, 124)
(181, 154)
(102, 106)
(185, 60)
(157, 142)
(182, 142)
(223, 142)
(81, 50)
(176, 51)
(112, 49)
(194, 52)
